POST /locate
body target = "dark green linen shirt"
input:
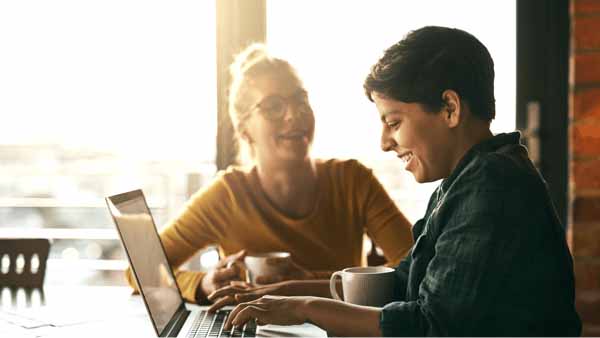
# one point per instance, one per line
(490, 256)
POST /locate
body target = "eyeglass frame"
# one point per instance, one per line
(286, 103)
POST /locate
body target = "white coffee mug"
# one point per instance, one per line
(258, 264)
(370, 286)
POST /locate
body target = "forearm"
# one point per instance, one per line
(334, 317)
(316, 288)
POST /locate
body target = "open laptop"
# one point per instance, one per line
(159, 289)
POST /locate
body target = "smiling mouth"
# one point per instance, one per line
(406, 157)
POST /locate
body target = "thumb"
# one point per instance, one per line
(237, 257)
(232, 259)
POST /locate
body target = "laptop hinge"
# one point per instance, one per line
(173, 328)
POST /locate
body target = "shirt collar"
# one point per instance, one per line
(486, 146)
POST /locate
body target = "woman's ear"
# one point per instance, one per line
(452, 108)
(244, 135)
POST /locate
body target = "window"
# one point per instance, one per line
(103, 97)
(98, 98)
(333, 45)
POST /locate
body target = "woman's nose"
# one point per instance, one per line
(387, 142)
(292, 112)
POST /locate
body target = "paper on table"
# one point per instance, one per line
(77, 314)
(13, 319)
(14, 331)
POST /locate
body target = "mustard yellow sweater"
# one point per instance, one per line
(234, 214)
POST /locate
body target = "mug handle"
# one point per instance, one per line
(332, 286)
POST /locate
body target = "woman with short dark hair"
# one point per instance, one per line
(490, 255)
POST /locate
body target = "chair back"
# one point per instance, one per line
(23, 262)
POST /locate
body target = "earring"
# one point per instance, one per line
(247, 137)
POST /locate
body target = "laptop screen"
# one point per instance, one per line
(146, 255)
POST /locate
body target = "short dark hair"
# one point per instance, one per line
(430, 60)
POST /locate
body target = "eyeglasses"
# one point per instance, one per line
(274, 107)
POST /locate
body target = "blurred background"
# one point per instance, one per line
(98, 98)
(102, 97)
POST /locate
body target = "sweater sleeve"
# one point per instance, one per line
(385, 224)
(198, 225)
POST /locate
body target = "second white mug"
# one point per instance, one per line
(258, 265)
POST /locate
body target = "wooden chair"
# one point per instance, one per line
(23, 262)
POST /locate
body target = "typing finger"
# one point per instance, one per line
(225, 291)
(246, 297)
(248, 313)
(232, 315)
(235, 311)
(221, 302)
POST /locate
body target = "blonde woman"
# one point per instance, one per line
(283, 200)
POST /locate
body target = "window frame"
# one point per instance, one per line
(239, 23)
(542, 84)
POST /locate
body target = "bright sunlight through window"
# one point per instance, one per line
(333, 45)
(129, 76)
(98, 98)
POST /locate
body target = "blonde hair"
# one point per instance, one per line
(254, 61)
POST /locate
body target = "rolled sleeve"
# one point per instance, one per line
(402, 319)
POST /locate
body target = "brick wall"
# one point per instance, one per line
(584, 160)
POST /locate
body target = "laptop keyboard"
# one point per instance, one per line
(211, 325)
